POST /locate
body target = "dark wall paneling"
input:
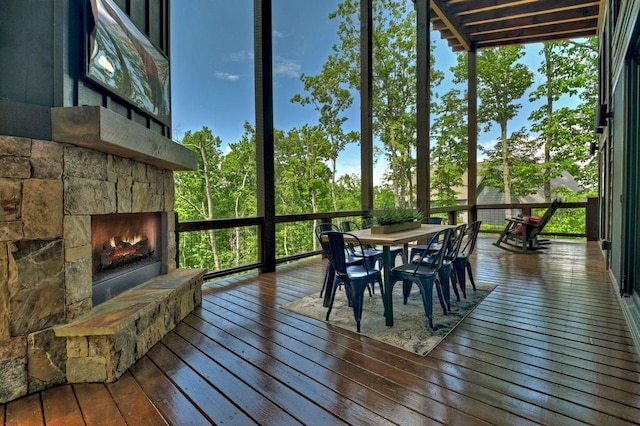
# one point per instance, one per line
(138, 14)
(122, 4)
(87, 95)
(139, 118)
(26, 51)
(156, 126)
(42, 55)
(155, 24)
(119, 107)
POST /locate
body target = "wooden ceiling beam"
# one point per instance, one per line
(483, 23)
(572, 15)
(440, 10)
(536, 38)
(557, 14)
(541, 31)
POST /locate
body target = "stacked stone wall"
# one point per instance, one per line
(48, 192)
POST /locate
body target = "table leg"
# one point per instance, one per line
(388, 299)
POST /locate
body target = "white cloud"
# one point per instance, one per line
(286, 67)
(226, 76)
(278, 34)
(240, 56)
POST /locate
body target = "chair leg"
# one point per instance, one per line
(460, 271)
(326, 278)
(454, 283)
(357, 292)
(333, 296)
(441, 297)
(473, 284)
(406, 290)
(427, 301)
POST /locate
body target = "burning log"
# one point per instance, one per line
(118, 252)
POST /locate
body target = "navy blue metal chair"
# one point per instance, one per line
(369, 253)
(446, 272)
(370, 250)
(462, 264)
(425, 275)
(319, 229)
(419, 249)
(356, 278)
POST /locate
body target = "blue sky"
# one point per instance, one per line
(212, 67)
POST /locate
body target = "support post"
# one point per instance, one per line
(264, 133)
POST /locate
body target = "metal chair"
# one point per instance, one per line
(446, 271)
(425, 275)
(419, 249)
(348, 226)
(354, 277)
(462, 264)
(318, 230)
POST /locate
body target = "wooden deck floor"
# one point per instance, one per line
(548, 346)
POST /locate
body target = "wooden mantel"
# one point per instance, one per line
(103, 130)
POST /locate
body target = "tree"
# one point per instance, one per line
(394, 81)
(570, 69)
(238, 176)
(502, 81)
(449, 153)
(331, 99)
(197, 191)
(303, 177)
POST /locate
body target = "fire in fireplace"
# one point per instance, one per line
(126, 251)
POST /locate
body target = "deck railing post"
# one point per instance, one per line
(591, 218)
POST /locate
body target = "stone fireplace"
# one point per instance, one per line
(73, 306)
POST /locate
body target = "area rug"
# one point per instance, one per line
(409, 331)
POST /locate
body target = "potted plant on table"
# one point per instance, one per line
(396, 220)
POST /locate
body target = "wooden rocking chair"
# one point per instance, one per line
(521, 233)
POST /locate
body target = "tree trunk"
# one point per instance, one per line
(548, 137)
(506, 178)
(210, 212)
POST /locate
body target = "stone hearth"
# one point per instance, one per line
(97, 163)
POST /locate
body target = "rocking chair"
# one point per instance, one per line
(521, 233)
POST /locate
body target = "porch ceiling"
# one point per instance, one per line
(491, 23)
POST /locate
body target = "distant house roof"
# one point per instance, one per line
(488, 195)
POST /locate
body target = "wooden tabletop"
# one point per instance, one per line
(397, 238)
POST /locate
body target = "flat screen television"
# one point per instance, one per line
(121, 59)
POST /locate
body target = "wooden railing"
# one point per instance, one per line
(452, 213)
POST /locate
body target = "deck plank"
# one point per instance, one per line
(133, 403)
(25, 411)
(97, 405)
(61, 407)
(174, 406)
(549, 345)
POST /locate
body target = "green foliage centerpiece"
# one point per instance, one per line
(396, 220)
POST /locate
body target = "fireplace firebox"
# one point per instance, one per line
(127, 249)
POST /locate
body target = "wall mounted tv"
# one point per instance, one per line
(122, 60)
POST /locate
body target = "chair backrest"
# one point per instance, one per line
(441, 240)
(457, 235)
(334, 247)
(348, 226)
(469, 239)
(547, 215)
(323, 227)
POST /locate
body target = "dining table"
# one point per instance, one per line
(425, 231)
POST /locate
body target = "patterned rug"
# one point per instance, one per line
(409, 331)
